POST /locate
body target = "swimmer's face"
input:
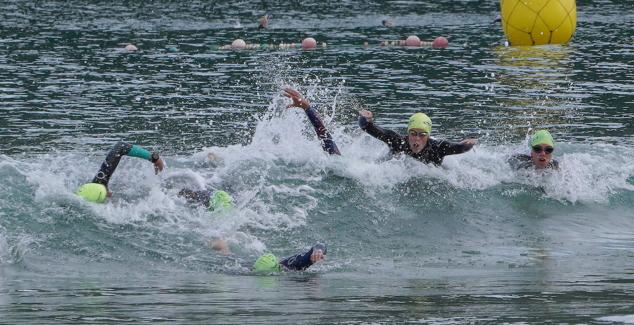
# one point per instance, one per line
(417, 139)
(541, 155)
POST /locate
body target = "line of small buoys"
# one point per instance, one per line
(240, 44)
(414, 41)
(310, 43)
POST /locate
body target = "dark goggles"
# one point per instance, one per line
(417, 134)
(539, 149)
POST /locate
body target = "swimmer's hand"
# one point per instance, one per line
(220, 245)
(366, 114)
(298, 100)
(158, 166)
(212, 157)
(317, 255)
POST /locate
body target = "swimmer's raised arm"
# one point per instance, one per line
(327, 143)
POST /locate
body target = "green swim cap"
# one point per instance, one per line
(92, 192)
(420, 121)
(267, 263)
(542, 137)
(220, 201)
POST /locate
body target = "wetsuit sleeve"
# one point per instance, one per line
(514, 161)
(324, 136)
(301, 261)
(520, 161)
(114, 156)
(139, 152)
(393, 139)
(451, 148)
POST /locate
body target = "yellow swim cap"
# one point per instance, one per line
(92, 192)
(221, 201)
(267, 263)
(420, 121)
(542, 137)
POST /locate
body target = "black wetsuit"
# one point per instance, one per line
(522, 161)
(301, 261)
(202, 197)
(119, 150)
(434, 151)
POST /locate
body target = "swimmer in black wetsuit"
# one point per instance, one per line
(214, 200)
(269, 263)
(541, 156)
(97, 190)
(417, 143)
(324, 136)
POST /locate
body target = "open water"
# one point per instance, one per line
(471, 241)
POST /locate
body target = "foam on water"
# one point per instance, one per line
(4, 247)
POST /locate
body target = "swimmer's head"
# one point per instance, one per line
(221, 201)
(267, 263)
(542, 147)
(264, 22)
(418, 130)
(93, 192)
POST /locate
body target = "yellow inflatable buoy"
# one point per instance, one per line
(538, 22)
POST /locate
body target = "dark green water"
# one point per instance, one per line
(472, 241)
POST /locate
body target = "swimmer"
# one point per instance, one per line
(418, 144)
(387, 23)
(97, 190)
(269, 263)
(313, 116)
(541, 156)
(216, 201)
(264, 22)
